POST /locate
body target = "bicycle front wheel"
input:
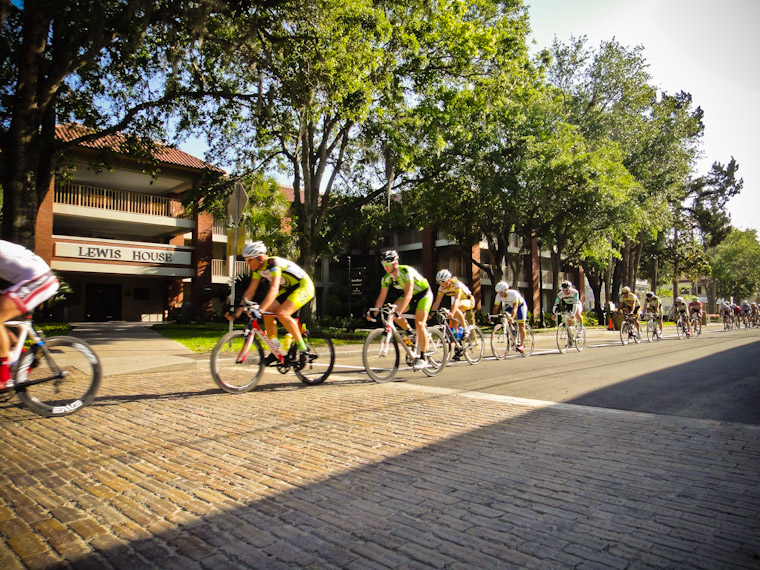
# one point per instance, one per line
(681, 329)
(529, 341)
(380, 355)
(499, 342)
(580, 339)
(232, 370)
(437, 352)
(625, 331)
(320, 358)
(563, 341)
(62, 380)
(651, 330)
(473, 345)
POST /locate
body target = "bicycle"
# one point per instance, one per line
(381, 355)
(58, 376)
(628, 330)
(681, 327)
(471, 345)
(237, 360)
(654, 330)
(727, 322)
(569, 335)
(505, 336)
(696, 324)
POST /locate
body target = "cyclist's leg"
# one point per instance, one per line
(8, 311)
(295, 300)
(522, 314)
(420, 320)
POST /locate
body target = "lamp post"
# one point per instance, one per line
(539, 243)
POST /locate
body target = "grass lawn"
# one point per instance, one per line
(203, 337)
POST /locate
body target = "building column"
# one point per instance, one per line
(202, 257)
(43, 228)
(476, 276)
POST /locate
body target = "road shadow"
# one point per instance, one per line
(721, 387)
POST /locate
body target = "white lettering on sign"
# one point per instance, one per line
(123, 254)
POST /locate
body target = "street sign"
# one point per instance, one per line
(236, 205)
(235, 241)
(357, 281)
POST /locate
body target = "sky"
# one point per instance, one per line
(707, 48)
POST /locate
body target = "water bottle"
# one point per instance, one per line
(287, 341)
(460, 333)
(453, 332)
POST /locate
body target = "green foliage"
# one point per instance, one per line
(736, 265)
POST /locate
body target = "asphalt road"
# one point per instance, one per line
(715, 376)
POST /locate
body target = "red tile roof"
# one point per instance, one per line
(165, 154)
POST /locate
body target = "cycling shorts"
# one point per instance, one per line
(299, 294)
(466, 304)
(522, 312)
(422, 301)
(30, 293)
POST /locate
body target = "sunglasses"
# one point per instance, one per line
(388, 263)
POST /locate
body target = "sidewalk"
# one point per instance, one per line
(165, 471)
(128, 348)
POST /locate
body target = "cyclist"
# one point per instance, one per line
(695, 308)
(652, 304)
(415, 289)
(515, 306)
(726, 311)
(746, 312)
(629, 304)
(461, 298)
(569, 300)
(290, 288)
(32, 283)
(680, 307)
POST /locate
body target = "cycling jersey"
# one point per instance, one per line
(291, 275)
(455, 285)
(681, 308)
(695, 307)
(32, 281)
(629, 302)
(568, 300)
(406, 274)
(19, 264)
(653, 304)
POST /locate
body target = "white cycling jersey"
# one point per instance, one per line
(18, 264)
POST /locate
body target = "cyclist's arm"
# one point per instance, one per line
(436, 302)
(379, 302)
(407, 298)
(247, 296)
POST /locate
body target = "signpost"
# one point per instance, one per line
(235, 237)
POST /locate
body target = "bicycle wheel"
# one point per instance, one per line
(680, 328)
(437, 352)
(61, 382)
(625, 331)
(651, 330)
(321, 358)
(380, 355)
(529, 341)
(636, 335)
(499, 342)
(696, 326)
(474, 345)
(580, 339)
(231, 374)
(563, 342)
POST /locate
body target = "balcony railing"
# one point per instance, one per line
(117, 200)
(219, 268)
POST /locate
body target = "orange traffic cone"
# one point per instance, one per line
(610, 326)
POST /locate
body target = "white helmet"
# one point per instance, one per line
(254, 249)
(502, 286)
(626, 290)
(389, 256)
(442, 275)
(679, 300)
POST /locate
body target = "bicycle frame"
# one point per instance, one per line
(254, 330)
(385, 314)
(25, 330)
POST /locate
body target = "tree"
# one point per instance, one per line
(736, 266)
(99, 62)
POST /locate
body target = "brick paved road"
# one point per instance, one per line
(165, 471)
